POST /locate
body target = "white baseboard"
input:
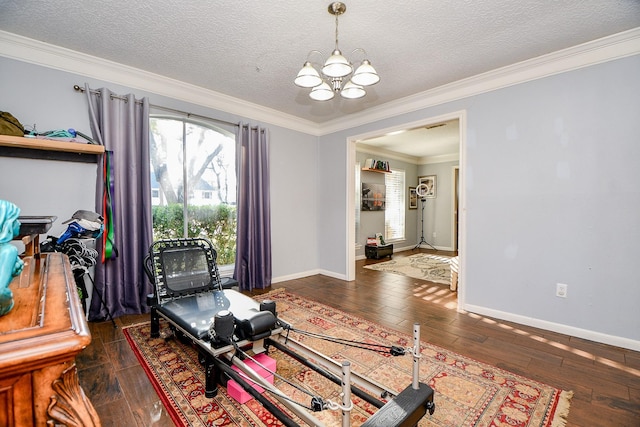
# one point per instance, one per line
(439, 248)
(412, 247)
(502, 315)
(408, 248)
(556, 327)
(307, 274)
(294, 276)
(333, 274)
(402, 249)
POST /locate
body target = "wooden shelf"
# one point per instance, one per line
(375, 170)
(49, 149)
(49, 145)
(373, 165)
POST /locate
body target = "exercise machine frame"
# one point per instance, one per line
(257, 328)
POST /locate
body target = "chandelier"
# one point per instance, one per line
(337, 70)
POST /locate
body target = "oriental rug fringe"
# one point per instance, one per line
(467, 392)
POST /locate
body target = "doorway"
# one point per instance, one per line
(457, 209)
(456, 205)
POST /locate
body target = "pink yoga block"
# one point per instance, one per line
(241, 395)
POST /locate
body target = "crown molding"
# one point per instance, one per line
(605, 49)
(444, 158)
(616, 46)
(47, 55)
(418, 161)
(381, 152)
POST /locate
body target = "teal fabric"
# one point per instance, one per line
(10, 264)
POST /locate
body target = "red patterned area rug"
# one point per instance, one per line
(467, 392)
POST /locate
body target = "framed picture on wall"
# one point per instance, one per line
(413, 198)
(430, 182)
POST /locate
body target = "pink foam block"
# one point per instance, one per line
(238, 393)
(241, 395)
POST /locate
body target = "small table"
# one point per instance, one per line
(31, 227)
(377, 252)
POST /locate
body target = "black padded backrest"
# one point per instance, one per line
(183, 267)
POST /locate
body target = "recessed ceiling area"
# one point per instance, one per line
(424, 143)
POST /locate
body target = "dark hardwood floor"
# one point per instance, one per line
(605, 379)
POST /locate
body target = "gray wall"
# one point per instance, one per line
(550, 169)
(46, 97)
(553, 196)
(438, 212)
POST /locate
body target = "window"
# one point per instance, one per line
(193, 183)
(394, 214)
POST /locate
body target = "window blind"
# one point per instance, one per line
(394, 214)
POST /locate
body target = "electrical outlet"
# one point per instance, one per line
(561, 290)
(434, 234)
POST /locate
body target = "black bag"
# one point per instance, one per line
(9, 125)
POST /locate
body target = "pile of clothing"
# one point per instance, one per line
(82, 225)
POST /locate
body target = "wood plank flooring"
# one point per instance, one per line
(605, 379)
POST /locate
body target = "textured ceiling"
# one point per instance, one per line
(252, 49)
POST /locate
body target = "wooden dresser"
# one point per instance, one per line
(39, 340)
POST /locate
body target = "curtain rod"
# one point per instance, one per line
(78, 88)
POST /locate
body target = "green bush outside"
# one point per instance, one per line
(216, 223)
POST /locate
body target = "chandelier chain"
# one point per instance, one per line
(336, 48)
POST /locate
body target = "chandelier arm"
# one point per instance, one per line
(358, 49)
(314, 51)
(319, 64)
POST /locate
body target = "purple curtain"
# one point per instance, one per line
(253, 244)
(121, 124)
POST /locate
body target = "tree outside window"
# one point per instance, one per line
(193, 183)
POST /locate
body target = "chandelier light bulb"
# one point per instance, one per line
(308, 76)
(352, 91)
(365, 75)
(337, 65)
(323, 92)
